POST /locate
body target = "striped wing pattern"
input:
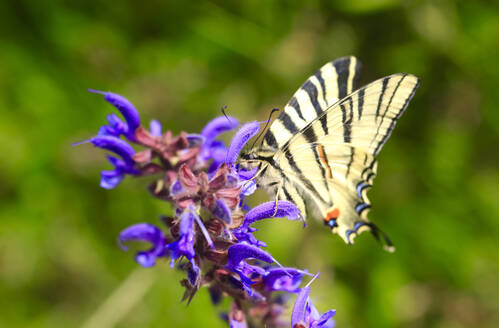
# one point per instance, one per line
(331, 82)
(326, 148)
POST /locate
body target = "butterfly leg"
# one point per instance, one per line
(278, 190)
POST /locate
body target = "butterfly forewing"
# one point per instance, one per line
(330, 83)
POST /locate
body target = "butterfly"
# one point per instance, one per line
(320, 152)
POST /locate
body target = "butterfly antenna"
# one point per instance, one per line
(265, 127)
(224, 107)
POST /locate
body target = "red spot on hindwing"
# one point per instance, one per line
(332, 215)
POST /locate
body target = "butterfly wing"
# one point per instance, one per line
(333, 81)
(331, 160)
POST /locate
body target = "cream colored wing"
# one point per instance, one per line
(333, 166)
(332, 82)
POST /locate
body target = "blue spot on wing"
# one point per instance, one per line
(361, 207)
(361, 186)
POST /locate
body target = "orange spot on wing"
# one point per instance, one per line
(332, 215)
(322, 156)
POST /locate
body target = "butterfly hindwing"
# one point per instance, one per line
(333, 166)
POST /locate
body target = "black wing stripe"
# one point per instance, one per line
(313, 94)
(392, 125)
(384, 114)
(342, 66)
(352, 154)
(311, 138)
(360, 102)
(270, 139)
(347, 120)
(382, 93)
(319, 77)
(294, 103)
(391, 98)
(356, 77)
(288, 123)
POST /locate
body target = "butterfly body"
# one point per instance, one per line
(321, 150)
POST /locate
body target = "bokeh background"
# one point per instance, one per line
(436, 194)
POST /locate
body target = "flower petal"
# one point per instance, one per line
(116, 145)
(325, 320)
(283, 279)
(130, 114)
(155, 128)
(194, 140)
(245, 133)
(184, 246)
(299, 314)
(241, 251)
(222, 211)
(110, 179)
(147, 233)
(267, 210)
(238, 324)
(217, 126)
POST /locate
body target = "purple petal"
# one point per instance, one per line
(147, 233)
(283, 279)
(155, 128)
(267, 210)
(245, 133)
(217, 151)
(222, 211)
(193, 275)
(176, 188)
(184, 246)
(247, 236)
(248, 188)
(239, 252)
(217, 126)
(116, 145)
(300, 313)
(110, 179)
(247, 174)
(115, 128)
(325, 320)
(237, 324)
(130, 114)
(194, 140)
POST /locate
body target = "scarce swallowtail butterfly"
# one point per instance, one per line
(321, 150)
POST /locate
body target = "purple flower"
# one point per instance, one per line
(147, 233)
(215, 149)
(184, 246)
(277, 209)
(283, 279)
(130, 114)
(125, 165)
(238, 324)
(155, 128)
(199, 176)
(222, 211)
(245, 133)
(237, 254)
(115, 128)
(218, 126)
(305, 315)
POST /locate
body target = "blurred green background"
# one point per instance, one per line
(436, 194)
